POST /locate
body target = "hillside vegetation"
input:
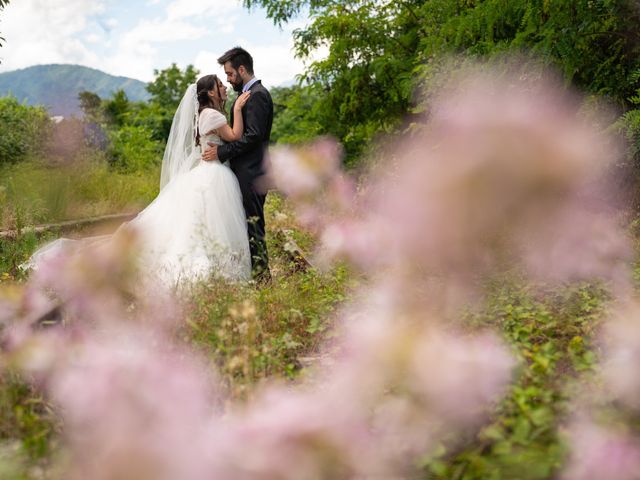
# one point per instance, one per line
(56, 87)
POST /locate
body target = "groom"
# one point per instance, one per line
(246, 155)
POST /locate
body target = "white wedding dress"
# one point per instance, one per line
(195, 229)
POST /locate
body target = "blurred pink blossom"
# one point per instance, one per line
(292, 434)
(598, 453)
(303, 171)
(98, 281)
(133, 408)
(621, 339)
(498, 180)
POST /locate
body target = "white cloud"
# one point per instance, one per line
(135, 52)
(111, 22)
(274, 64)
(206, 62)
(92, 38)
(43, 31)
(201, 8)
(161, 31)
(227, 25)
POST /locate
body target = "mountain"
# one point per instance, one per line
(57, 86)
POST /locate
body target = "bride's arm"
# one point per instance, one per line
(229, 134)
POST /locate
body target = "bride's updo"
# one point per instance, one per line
(203, 87)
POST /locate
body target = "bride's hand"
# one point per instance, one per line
(241, 101)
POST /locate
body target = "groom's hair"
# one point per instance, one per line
(238, 56)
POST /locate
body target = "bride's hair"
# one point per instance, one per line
(203, 87)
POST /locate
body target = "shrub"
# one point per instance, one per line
(24, 129)
(134, 149)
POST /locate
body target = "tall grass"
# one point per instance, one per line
(33, 192)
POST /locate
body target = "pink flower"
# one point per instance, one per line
(598, 453)
(301, 172)
(292, 434)
(133, 408)
(502, 177)
(621, 337)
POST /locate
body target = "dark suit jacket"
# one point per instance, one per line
(246, 155)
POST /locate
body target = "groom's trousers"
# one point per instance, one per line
(254, 208)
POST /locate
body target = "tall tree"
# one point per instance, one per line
(117, 107)
(379, 51)
(90, 104)
(364, 83)
(169, 85)
(167, 89)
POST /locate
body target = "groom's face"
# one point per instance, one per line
(233, 77)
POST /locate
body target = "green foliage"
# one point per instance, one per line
(282, 11)
(257, 334)
(134, 149)
(254, 334)
(137, 131)
(25, 412)
(13, 252)
(169, 85)
(90, 104)
(24, 130)
(28, 429)
(380, 53)
(594, 44)
(628, 125)
(116, 108)
(551, 334)
(154, 117)
(296, 116)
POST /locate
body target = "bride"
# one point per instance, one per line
(196, 227)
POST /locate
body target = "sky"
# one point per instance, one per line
(131, 38)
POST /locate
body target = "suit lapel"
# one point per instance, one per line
(231, 117)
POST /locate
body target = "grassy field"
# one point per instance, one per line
(32, 192)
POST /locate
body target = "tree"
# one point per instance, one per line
(382, 51)
(170, 85)
(90, 104)
(166, 91)
(24, 131)
(365, 82)
(296, 119)
(117, 107)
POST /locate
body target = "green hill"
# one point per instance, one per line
(57, 86)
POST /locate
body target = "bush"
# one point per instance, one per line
(24, 129)
(629, 126)
(134, 149)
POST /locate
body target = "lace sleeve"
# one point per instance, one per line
(210, 119)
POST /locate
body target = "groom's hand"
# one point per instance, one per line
(210, 153)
